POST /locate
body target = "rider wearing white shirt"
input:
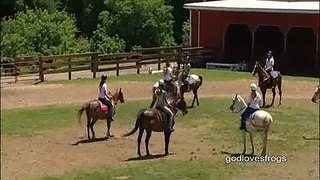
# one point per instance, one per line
(167, 74)
(253, 105)
(269, 65)
(103, 95)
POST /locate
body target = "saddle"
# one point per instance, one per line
(103, 107)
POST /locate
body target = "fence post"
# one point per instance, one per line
(117, 70)
(138, 64)
(15, 70)
(41, 74)
(69, 65)
(94, 64)
(159, 60)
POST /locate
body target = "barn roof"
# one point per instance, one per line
(305, 7)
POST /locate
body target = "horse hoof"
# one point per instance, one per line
(111, 135)
(166, 154)
(244, 152)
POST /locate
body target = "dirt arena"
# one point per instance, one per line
(53, 153)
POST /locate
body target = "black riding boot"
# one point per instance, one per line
(243, 124)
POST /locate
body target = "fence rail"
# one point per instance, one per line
(96, 62)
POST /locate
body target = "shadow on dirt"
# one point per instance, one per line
(156, 156)
(85, 141)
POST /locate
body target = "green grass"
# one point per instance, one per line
(208, 75)
(159, 170)
(212, 121)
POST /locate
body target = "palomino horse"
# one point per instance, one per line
(173, 91)
(94, 112)
(265, 84)
(195, 81)
(316, 96)
(153, 120)
(259, 121)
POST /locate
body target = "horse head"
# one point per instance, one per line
(316, 95)
(118, 96)
(263, 75)
(180, 104)
(238, 104)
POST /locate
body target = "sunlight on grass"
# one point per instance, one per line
(208, 75)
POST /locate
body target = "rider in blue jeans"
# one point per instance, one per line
(103, 95)
(253, 105)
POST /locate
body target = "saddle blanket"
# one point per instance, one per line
(103, 108)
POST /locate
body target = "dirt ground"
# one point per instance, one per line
(53, 153)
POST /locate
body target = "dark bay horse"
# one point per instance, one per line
(153, 120)
(194, 86)
(172, 89)
(94, 112)
(264, 83)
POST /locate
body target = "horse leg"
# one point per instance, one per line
(264, 136)
(139, 140)
(273, 95)
(251, 140)
(94, 120)
(147, 141)
(264, 97)
(167, 140)
(244, 142)
(88, 125)
(195, 93)
(280, 91)
(195, 96)
(108, 130)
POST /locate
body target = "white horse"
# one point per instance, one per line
(259, 121)
(316, 96)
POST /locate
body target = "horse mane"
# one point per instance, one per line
(264, 74)
(241, 99)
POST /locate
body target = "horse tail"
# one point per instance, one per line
(200, 80)
(138, 123)
(83, 108)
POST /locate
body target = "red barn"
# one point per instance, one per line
(244, 30)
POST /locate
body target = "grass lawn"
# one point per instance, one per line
(208, 75)
(212, 121)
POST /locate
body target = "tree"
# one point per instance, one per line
(142, 23)
(186, 34)
(39, 32)
(180, 16)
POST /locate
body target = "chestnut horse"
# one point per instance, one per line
(153, 120)
(94, 112)
(264, 83)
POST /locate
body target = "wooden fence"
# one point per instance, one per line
(96, 62)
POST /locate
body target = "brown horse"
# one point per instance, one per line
(94, 112)
(153, 120)
(172, 89)
(194, 86)
(264, 83)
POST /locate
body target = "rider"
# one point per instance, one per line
(167, 74)
(162, 104)
(269, 65)
(104, 95)
(186, 73)
(253, 105)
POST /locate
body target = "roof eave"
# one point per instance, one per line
(253, 10)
